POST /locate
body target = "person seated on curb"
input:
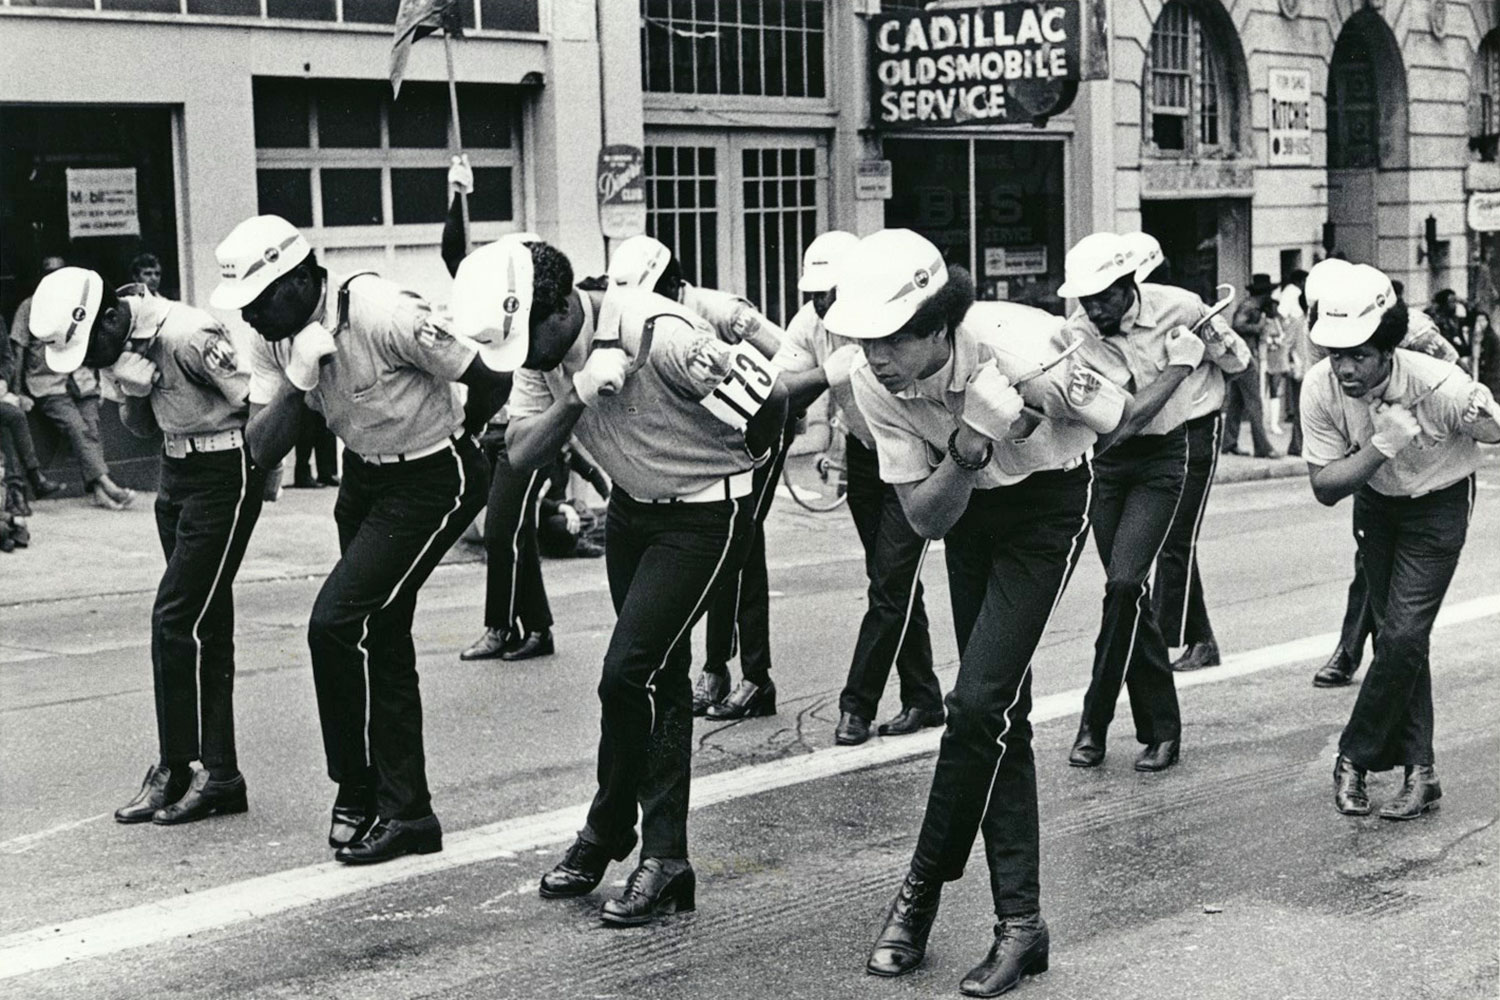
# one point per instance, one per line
(1397, 431)
(175, 370)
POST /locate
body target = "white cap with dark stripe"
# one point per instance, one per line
(254, 254)
(63, 310)
(1350, 308)
(491, 303)
(639, 262)
(882, 280)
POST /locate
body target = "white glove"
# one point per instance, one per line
(839, 367)
(1481, 404)
(603, 374)
(1395, 428)
(1184, 347)
(991, 403)
(135, 374)
(570, 518)
(460, 176)
(310, 348)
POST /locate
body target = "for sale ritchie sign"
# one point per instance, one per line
(974, 65)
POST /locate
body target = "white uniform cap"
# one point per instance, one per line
(1097, 262)
(1325, 276)
(821, 260)
(492, 302)
(639, 262)
(1350, 310)
(1149, 250)
(63, 310)
(254, 254)
(881, 281)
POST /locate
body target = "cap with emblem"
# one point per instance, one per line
(1098, 261)
(254, 254)
(492, 302)
(63, 310)
(1350, 308)
(820, 262)
(882, 280)
(639, 262)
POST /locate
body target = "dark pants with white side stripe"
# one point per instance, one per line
(1009, 558)
(1410, 548)
(663, 562)
(395, 522)
(894, 628)
(1178, 589)
(206, 509)
(514, 593)
(1139, 485)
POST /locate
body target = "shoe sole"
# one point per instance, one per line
(1352, 812)
(427, 848)
(517, 657)
(1429, 807)
(839, 741)
(665, 910)
(1036, 967)
(1157, 770)
(1085, 763)
(1333, 684)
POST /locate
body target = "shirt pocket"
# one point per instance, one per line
(1032, 450)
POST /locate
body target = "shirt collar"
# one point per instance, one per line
(1140, 312)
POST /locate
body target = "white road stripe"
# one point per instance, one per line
(175, 917)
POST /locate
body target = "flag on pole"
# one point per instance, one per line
(415, 20)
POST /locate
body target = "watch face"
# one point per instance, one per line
(1290, 8)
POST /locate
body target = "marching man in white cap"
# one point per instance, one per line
(1397, 431)
(983, 425)
(678, 419)
(176, 371)
(1423, 337)
(1160, 344)
(739, 616)
(893, 631)
(372, 360)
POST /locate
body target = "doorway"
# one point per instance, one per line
(1206, 242)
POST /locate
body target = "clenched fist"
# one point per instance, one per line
(1184, 347)
(310, 348)
(991, 403)
(1395, 428)
(603, 374)
(135, 374)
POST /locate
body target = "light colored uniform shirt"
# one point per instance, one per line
(1335, 425)
(40, 381)
(199, 388)
(732, 316)
(391, 388)
(912, 427)
(654, 437)
(1137, 357)
(805, 345)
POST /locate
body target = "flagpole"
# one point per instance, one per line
(458, 135)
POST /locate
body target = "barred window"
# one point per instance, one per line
(1485, 133)
(682, 207)
(1186, 86)
(755, 48)
(781, 219)
(494, 15)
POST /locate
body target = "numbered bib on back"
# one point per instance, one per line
(745, 390)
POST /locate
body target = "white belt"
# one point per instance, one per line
(408, 456)
(729, 488)
(182, 445)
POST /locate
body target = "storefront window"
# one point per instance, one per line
(759, 49)
(1185, 85)
(993, 206)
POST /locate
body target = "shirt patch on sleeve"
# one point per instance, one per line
(432, 334)
(745, 322)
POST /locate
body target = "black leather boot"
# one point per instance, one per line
(659, 886)
(163, 785)
(578, 873)
(1158, 756)
(1088, 748)
(530, 646)
(391, 838)
(1338, 671)
(1419, 793)
(911, 720)
(1197, 656)
(1349, 795)
(204, 798)
(490, 646)
(851, 730)
(1020, 949)
(748, 700)
(902, 943)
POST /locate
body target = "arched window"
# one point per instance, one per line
(1353, 103)
(1484, 136)
(1188, 94)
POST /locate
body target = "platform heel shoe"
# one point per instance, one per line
(1020, 949)
(658, 887)
(902, 943)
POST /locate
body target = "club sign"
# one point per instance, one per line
(979, 65)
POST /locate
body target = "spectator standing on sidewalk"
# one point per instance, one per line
(23, 474)
(69, 401)
(1255, 322)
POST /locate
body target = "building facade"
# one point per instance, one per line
(1248, 135)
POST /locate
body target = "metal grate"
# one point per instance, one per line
(1186, 83)
(781, 219)
(757, 48)
(682, 207)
